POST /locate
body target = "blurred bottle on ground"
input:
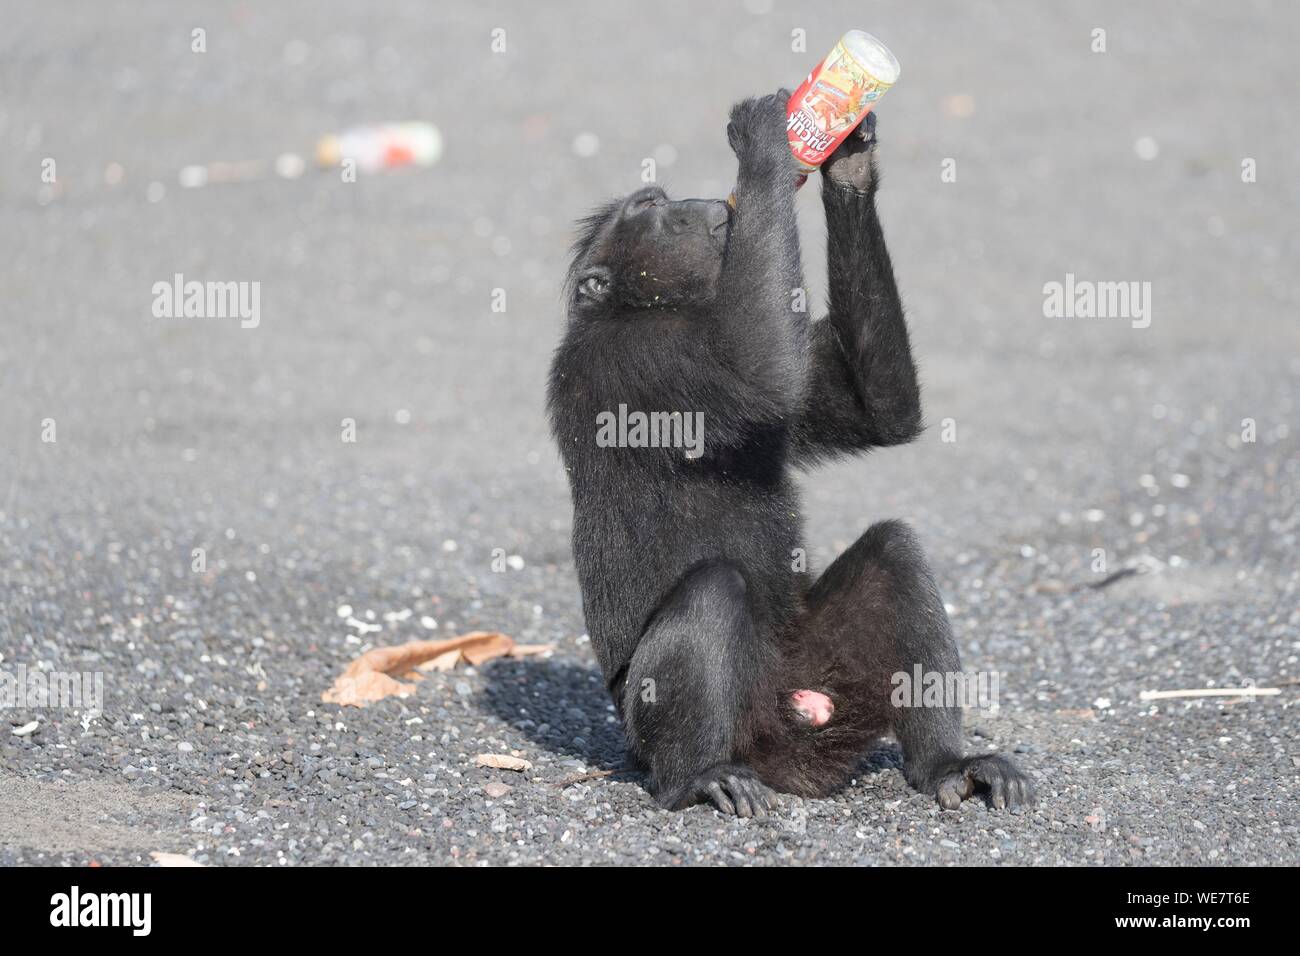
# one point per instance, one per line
(382, 146)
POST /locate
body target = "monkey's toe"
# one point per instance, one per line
(749, 796)
(1007, 787)
(734, 789)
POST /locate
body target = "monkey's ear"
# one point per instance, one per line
(595, 285)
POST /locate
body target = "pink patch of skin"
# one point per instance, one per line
(813, 707)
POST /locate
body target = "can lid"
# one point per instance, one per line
(872, 54)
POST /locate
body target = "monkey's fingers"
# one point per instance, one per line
(998, 793)
(720, 798)
(760, 796)
(740, 794)
(866, 130)
(953, 789)
(1007, 787)
(1020, 792)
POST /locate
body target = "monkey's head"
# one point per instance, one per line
(648, 252)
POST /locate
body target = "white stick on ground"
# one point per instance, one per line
(1210, 692)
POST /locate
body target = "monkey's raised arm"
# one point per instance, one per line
(862, 386)
(760, 333)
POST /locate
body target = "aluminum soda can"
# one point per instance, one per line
(836, 96)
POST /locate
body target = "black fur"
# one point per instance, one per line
(701, 627)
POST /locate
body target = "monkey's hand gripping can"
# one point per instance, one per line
(836, 96)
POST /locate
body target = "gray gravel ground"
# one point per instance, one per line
(1072, 434)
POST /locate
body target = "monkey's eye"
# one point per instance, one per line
(593, 287)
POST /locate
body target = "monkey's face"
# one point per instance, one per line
(649, 252)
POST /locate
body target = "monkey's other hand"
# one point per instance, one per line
(756, 132)
(732, 788)
(853, 164)
(1005, 784)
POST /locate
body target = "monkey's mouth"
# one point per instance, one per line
(720, 232)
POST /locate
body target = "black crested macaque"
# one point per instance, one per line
(735, 676)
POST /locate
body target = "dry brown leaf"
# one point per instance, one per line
(369, 677)
(492, 646)
(173, 859)
(581, 777)
(364, 687)
(503, 762)
(1081, 713)
(528, 650)
(443, 662)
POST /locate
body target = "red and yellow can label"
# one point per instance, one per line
(829, 104)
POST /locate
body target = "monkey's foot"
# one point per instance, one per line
(732, 788)
(811, 707)
(1005, 784)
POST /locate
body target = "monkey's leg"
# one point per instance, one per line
(874, 613)
(687, 694)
